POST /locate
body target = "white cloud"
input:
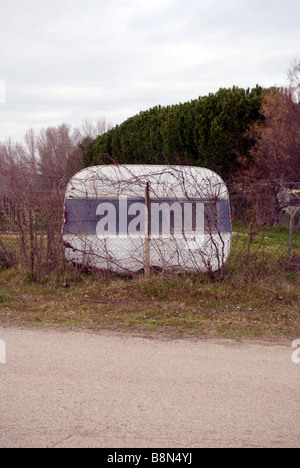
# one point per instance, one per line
(70, 60)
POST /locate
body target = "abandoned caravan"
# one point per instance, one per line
(137, 217)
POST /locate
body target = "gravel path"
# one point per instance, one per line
(79, 389)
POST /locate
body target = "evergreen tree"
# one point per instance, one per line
(211, 131)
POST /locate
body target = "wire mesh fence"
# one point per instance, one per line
(265, 228)
(31, 210)
(178, 228)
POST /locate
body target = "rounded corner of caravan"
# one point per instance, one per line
(131, 217)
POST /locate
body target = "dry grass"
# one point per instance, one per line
(175, 305)
(258, 294)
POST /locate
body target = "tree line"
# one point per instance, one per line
(250, 133)
(54, 153)
(212, 131)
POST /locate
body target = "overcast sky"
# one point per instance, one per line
(71, 60)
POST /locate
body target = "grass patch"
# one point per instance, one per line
(180, 305)
(258, 294)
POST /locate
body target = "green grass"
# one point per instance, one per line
(275, 238)
(258, 294)
(192, 305)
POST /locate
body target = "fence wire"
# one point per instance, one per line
(265, 228)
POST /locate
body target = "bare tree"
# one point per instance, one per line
(54, 145)
(92, 130)
(294, 81)
(33, 176)
(30, 143)
(276, 155)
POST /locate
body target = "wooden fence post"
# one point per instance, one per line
(147, 232)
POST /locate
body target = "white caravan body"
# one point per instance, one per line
(126, 218)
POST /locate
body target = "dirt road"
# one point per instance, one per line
(78, 389)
